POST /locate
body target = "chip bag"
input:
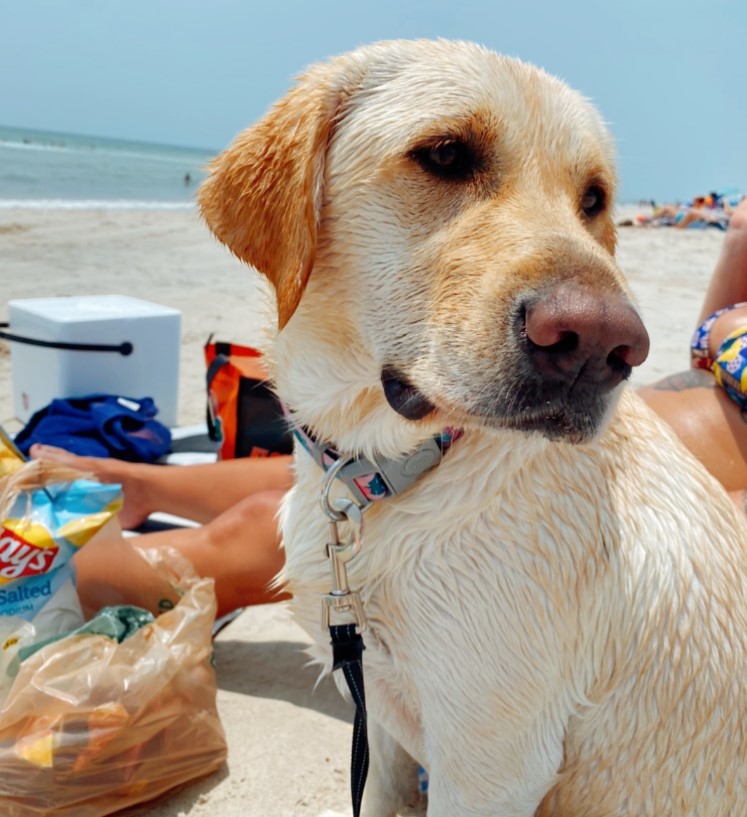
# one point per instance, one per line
(46, 515)
(41, 529)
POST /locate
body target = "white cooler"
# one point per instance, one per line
(151, 369)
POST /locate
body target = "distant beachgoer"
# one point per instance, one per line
(712, 210)
(705, 210)
(187, 179)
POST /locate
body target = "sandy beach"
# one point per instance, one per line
(288, 743)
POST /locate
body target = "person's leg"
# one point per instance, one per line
(239, 549)
(688, 218)
(197, 492)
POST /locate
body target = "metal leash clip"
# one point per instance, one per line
(341, 599)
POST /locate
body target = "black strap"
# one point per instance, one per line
(347, 654)
(218, 362)
(221, 347)
(124, 348)
(222, 356)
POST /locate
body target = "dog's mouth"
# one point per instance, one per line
(566, 423)
(571, 418)
(407, 400)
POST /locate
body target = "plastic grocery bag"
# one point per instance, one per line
(90, 726)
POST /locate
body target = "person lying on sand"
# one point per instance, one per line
(706, 211)
(706, 405)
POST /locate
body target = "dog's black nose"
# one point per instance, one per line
(576, 334)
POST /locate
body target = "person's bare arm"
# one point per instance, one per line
(197, 492)
(202, 492)
(729, 281)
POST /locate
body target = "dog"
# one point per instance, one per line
(556, 611)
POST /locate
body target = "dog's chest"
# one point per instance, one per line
(462, 557)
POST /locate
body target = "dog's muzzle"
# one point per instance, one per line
(571, 347)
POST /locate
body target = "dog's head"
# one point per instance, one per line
(436, 222)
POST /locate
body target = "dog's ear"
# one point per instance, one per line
(262, 197)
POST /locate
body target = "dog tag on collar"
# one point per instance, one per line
(399, 474)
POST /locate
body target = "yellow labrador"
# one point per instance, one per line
(557, 620)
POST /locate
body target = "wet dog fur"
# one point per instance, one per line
(557, 612)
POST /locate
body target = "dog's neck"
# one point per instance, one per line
(371, 479)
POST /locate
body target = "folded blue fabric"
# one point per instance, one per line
(99, 425)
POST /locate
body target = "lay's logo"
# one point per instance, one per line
(20, 558)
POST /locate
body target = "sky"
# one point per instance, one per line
(668, 77)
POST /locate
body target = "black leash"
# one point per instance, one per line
(347, 644)
(347, 655)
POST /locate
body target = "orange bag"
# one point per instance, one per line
(243, 413)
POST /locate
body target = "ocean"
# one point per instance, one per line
(62, 170)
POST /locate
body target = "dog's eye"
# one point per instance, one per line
(448, 160)
(593, 200)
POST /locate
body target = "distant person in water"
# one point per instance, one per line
(187, 179)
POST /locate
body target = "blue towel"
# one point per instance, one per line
(99, 425)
